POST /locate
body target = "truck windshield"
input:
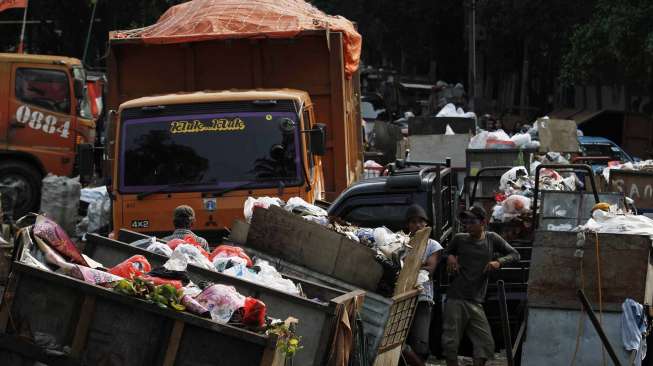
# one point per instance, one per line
(210, 152)
(607, 150)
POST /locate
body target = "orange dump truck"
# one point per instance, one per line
(209, 115)
(45, 118)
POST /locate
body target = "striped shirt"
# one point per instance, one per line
(182, 233)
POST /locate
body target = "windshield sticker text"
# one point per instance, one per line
(215, 125)
(44, 122)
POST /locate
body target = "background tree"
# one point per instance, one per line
(615, 47)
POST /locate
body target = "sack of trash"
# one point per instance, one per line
(60, 200)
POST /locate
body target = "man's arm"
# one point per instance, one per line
(510, 254)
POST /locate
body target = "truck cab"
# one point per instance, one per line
(44, 118)
(212, 150)
(383, 201)
(592, 146)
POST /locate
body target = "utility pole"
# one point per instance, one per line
(471, 52)
(88, 35)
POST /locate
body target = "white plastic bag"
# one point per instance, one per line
(220, 263)
(448, 110)
(193, 256)
(511, 176)
(516, 205)
(160, 248)
(422, 277)
(222, 301)
(479, 140)
(177, 262)
(264, 202)
(297, 204)
(449, 130)
(521, 139)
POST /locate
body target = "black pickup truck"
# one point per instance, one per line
(383, 201)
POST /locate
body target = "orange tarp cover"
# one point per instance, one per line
(202, 20)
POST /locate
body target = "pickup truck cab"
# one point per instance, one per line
(592, 146)
(383, 201)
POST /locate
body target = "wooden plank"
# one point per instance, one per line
(413, 262)
(555, 272)
(173, 343)
(81, 330)
(279, 233)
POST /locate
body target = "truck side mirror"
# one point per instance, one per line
(317, 137)
(85, 160)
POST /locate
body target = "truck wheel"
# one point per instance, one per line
(26, 183)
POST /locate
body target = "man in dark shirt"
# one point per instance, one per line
(471, 258)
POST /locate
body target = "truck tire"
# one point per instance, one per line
(25, 180)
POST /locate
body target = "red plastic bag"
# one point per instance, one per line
(56, 237)
(157, 281)
(134, 266)
(226, 251)
(174, 243)
(254, 312)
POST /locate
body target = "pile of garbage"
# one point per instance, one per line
(450, 110)
(611, 219)
(390, 247)
(230, 260)
(516, 190)
(499, 139)
(48, 247)
(643, 166)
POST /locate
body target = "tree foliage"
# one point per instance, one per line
(614, 47)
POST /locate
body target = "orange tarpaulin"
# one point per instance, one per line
(202, 20)
(8, 4)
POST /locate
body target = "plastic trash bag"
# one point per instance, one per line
(194, 307)
(299, 206)
(254, 312)
(270, 277)
(521, 139)
(93, 276)
(264, 202)
(221, 301)
(60, 200)
(449, 131)
(511, 176)
(159, 248)
(479, 140)
(228, 251)
(516, 205)
(187, 240)
(134, 266)
(422, 277)
(222, 263)
(320, 220)
(193, 256)
(56, 237)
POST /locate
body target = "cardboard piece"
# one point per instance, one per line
(557, 135)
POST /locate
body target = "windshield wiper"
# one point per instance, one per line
(245, 185)
(165, 189)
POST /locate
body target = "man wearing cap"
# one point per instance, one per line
(417, 350)
(183, 220)
(471, 258)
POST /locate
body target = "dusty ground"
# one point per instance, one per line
(499, 360)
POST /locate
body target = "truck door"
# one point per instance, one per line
(41, 115)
